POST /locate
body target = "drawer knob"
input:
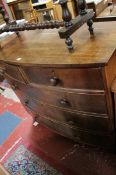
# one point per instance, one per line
(70, 122)
(54, 81)
(64, 102)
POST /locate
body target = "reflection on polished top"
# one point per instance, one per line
(45, 47)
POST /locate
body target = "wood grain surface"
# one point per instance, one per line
(45, 47)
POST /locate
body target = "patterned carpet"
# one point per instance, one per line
(15, 156)
(24, 162)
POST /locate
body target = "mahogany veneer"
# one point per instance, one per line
(68, 92)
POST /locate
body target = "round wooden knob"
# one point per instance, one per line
(70, 122)
(54, 81)
(64, 102)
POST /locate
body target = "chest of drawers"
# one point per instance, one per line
(68, 92)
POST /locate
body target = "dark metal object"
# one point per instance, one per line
(69, 25)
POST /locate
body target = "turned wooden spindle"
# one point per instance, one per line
(69, 42)
(7, 19)
(90, 23)
(14, 27)
(82, 7)
(66, 15)
(69, 25)
(5, 16)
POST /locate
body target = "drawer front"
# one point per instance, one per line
(79, 101)
(81, 136)
(83, 78)
(88, 122)
(96, 124)
(60, 129)
(14, 72)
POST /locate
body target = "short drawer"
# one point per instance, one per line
(18, 87)
(73, 100)
(20, 90)
(14, 72)
(79, 78)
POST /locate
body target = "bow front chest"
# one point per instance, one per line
(68, 92)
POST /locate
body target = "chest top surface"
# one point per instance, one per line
(45, 47)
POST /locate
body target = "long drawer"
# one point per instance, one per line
(106, 141)
(94, 102)
(80, 78)
(96, 124)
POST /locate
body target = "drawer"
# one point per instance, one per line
(94, 123)
(57, 127)
(14, 72)
(81, 136)
(94, 102)
(87, 122)
(79, 78)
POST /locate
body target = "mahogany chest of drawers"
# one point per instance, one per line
(68, 92)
